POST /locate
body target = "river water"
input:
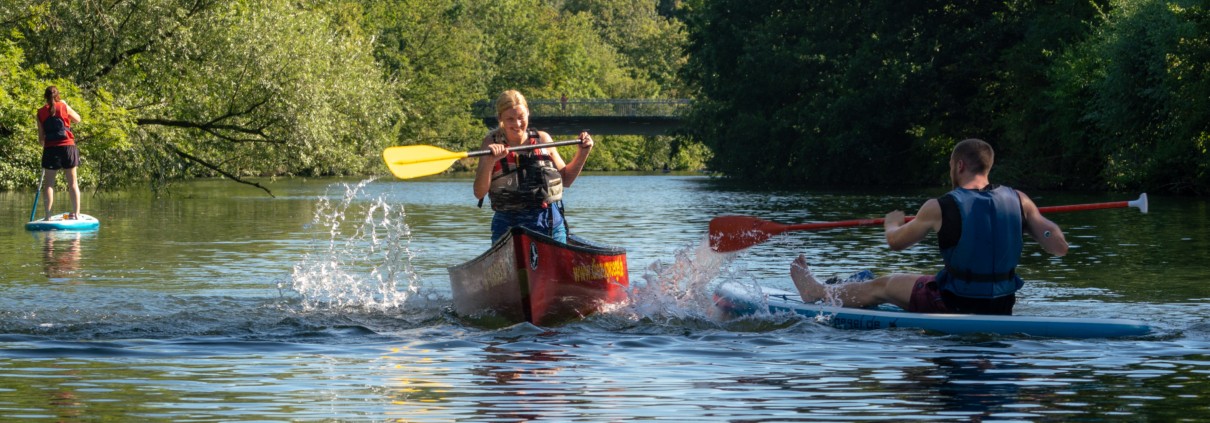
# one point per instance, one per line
(331, 302)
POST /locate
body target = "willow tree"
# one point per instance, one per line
(231, 87)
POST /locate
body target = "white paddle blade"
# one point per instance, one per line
(1140, 204)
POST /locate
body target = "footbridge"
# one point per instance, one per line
(599, 116)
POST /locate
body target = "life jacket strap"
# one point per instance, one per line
(970, 276)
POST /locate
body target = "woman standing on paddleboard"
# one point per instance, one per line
(58, 149)
(525, 187)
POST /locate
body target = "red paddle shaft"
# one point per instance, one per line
(733, 233)
(1140, 203)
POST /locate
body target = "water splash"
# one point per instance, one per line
(365, 260)
(831, 290)
(684, 288)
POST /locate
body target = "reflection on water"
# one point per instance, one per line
(61, 254)
(330, 303)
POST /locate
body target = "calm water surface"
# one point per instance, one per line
(331, 302)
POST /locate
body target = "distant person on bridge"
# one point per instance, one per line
(979, 228)
(525, 187)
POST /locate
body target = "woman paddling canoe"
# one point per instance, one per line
(525, 187)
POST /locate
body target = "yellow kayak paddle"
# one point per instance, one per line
(414, 161)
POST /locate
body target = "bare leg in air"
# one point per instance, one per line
(894, 289)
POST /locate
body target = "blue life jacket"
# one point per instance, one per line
(983, 262)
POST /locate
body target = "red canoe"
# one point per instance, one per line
(529, 277)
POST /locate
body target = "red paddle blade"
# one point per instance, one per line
(734, 233)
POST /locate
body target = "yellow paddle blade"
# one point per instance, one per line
(414, 161)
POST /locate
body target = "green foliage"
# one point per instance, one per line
(449, 54)
(775, 104)
(432, 50)
(1072, 93)
(546, 51)
(649, 44)
(264, 88)
(21, 89)
(840, 92)
(20, 97)
(1146, 73)
(623, 153)
(173, 89)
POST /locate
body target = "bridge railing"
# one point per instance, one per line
(596, 107)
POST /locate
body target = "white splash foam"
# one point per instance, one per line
(684, 288)
(365, 260)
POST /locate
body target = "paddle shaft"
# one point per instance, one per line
(34, 212)
(414, 161)
(734, 233)
(478, 153)
(879, 221)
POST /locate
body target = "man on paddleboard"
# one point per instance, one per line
(979, 228)
(525, 187)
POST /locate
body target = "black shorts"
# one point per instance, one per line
(62, 157)
(927, 297)
(998, 306)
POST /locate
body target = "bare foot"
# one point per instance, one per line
(809, 288)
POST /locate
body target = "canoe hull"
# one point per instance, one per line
(738, 300)
(529, 277)
(59, 223)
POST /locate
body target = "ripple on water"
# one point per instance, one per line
(352, 333)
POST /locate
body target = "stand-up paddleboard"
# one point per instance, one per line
(739, 300)
(59, 222)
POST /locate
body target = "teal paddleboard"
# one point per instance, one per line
(739, 300)
(59, 222)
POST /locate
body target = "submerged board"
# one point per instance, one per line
(740, 300)
(59, 223)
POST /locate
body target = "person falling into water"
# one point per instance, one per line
(979, 228)
(59, 150)
(525, 187)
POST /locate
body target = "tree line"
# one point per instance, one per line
(247, 89)
(1074, 94)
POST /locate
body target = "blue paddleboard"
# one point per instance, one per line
(58, 223)
(740, 301)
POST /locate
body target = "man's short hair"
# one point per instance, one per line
(976, 153)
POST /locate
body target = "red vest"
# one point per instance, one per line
(53, 139)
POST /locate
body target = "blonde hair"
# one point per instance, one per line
(510, 99)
